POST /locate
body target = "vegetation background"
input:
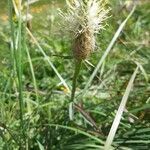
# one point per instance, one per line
(36, 72)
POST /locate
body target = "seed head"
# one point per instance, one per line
(84, 19)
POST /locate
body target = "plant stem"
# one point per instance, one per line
(16, 34)
(76, 73)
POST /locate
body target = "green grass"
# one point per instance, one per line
(36, 77)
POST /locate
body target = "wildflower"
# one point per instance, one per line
(84, 19)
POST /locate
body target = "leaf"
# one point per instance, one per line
(119, 113)
(41, 147)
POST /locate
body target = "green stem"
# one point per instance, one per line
(16, 34)
(76, 73)
(17, 56)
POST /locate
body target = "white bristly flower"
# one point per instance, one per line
(84, 19)
(82, 14)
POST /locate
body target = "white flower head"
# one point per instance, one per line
(84, 18)
(83, 14)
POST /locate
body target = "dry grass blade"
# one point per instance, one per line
(120, 112)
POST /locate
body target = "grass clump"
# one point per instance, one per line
(37, 72)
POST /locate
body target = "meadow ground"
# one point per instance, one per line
(36, 73)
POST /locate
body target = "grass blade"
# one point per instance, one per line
(32, 73)
(41, 147)
(120, 112)
(47, 58)
(78, 131)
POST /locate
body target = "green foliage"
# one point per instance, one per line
(36, 77)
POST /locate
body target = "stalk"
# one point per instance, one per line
(17, 52)
(76, 74)
(83, 20)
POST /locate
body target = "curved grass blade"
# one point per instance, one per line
(78, 131)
